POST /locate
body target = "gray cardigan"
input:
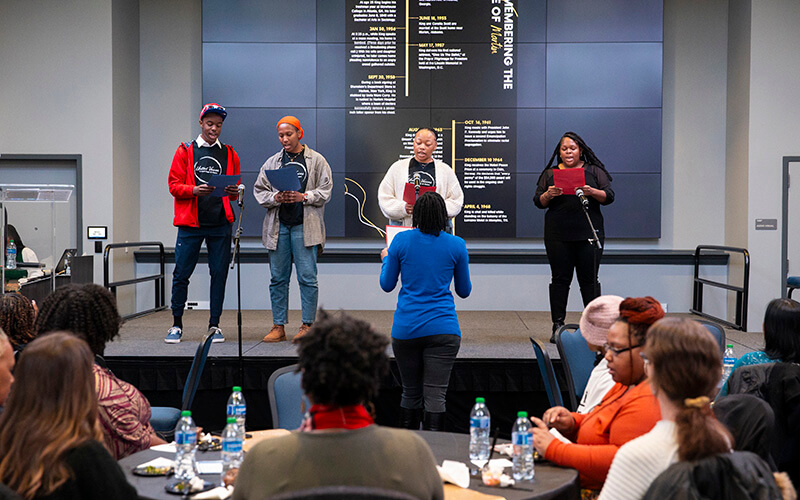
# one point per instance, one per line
(318, 191)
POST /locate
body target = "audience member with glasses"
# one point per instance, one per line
(683, 366)
(627, 411)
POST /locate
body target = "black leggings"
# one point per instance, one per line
(564, 256)
(425, 364)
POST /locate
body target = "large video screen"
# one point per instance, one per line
(500, 81)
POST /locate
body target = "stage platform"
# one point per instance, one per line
(495, 361)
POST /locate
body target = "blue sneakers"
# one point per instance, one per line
(216, 335)
(173, 335)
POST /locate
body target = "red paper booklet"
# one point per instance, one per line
(568, 179)
(410, 195)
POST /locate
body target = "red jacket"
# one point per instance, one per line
(181, 182)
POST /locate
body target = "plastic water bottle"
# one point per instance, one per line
(186, 446)
(522, 439)
(728, 360)
(68, 264)
(237, 408)
(232, 441)
(11, 255)
(479, 424)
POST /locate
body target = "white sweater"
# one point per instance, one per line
(640, 461)
(390, 192)
(600, 382)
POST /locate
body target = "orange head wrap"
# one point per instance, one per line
(291, 120)
(640, 310)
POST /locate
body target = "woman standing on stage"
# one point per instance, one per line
(294, 227)
(425, 332)
(566, 230)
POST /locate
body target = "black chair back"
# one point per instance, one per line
(548, 373)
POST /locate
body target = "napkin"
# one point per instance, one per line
(158, 462)
(209, 466)
(218, 493)
(167, 448)
(454, 472)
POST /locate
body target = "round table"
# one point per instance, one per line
(550, 481)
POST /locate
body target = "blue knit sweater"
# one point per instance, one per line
(427, 264)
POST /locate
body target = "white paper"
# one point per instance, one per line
(158, 462)
(218, 493)
(496, 462)
(166, 448)
(209, 467)
(454, 472)
(559, 436)
(392, 231)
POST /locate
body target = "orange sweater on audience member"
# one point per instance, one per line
(619, 418)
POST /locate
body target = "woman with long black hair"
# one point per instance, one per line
(566, 230)
(425, 332)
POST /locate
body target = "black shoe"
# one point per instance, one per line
(556, 326)
(433, 421)
(410, 419)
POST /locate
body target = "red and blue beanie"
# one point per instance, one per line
(213, 107)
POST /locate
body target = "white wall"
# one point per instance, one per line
(56, 91)
(774, 124)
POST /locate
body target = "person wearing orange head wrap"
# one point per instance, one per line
(294, 226)
(628, 410)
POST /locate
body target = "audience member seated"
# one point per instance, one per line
(24, 254)
(17, 317)
(595, 321)
(627, 411)
(90, 312)
(50, 438)
(683, 366)
(341, 361)
(781, 337)
(6, 368)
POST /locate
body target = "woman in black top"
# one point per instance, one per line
(566, 230)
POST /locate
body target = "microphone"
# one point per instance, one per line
(584, 200)
(240, 199)
(416, 183)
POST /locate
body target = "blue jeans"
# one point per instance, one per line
(187, 252)
(425, 364)
(291, 246)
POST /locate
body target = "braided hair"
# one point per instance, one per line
(16, 318)
(87, 310)
(587, 155)
(342, 360)
(430, 213)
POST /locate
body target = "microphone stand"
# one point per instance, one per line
(238, 262)
(594, 240)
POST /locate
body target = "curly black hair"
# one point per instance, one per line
(17, 316)
(587, 154)
(88, 310)
(430, 213)
(342, 360)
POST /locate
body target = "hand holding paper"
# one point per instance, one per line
(568, 179)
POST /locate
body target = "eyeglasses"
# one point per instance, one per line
(617, 352)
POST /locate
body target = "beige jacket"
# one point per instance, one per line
(318, 191)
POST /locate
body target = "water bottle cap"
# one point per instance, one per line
(186, 413)
(480, 400)
(236, 388)
(730, 346)
(522, 414)
(231, 420)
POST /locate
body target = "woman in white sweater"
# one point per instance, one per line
(683, 365)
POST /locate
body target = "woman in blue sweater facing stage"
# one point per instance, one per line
(425, 332)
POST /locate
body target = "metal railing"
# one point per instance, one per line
(160, 302)
(742, 292)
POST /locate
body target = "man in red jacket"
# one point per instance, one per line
(201, 216)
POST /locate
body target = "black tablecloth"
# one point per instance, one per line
(550, 482)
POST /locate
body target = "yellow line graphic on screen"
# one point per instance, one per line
(361, 217)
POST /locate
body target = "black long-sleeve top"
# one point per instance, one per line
(564, 219)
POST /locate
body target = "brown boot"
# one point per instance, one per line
(304, 328)
(277, 334)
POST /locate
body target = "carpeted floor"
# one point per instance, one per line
(485, 334)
